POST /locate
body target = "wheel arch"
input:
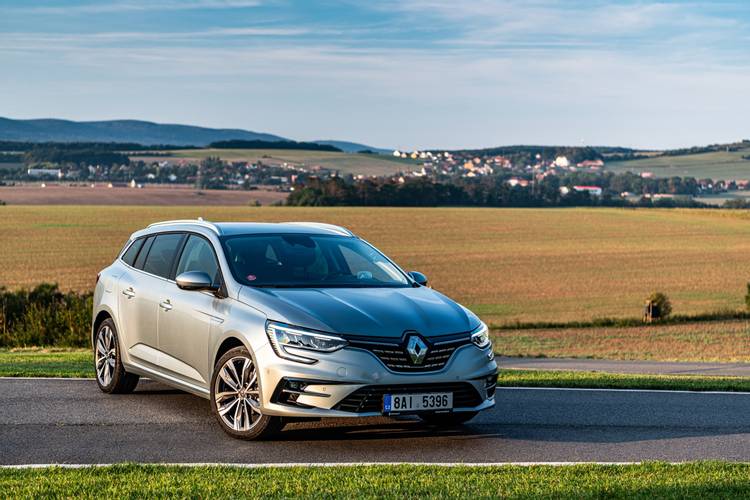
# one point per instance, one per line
(99, 319)
(228, 343)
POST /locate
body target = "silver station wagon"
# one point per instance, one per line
(288, 321)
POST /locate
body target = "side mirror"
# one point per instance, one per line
(420, 278)
(196, 281)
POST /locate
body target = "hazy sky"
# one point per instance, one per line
(406, 74)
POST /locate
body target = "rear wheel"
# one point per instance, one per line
(448, 419)
(110, 373)
(235, 397)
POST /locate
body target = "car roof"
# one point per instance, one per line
(236, 228)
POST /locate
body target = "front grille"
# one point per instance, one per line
(395, 357)
(370, 398)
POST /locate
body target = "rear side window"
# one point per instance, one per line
(131, 253)
(162, 253)
(141, 259)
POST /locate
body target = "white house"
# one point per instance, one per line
(45, 172)
(562, 162)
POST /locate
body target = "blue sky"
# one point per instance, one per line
(406, 74)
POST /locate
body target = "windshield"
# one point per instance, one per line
(313, 261)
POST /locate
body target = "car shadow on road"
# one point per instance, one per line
(369, 429)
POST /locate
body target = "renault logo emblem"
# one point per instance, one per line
(417, 349)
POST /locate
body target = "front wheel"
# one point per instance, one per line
(111, 376)
(235, 397)
(448, 419)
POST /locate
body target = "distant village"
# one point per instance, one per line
(520, 170)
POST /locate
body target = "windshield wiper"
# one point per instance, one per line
(285, 285)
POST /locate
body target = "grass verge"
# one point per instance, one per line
(38, 362)
(600, 380)
(648, 481)
(43, 362)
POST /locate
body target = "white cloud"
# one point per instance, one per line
(102, 7)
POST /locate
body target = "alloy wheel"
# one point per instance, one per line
(236, 394)
(106, 355)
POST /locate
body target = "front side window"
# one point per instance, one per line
(162, 253)
(198, 255)
(315, 261)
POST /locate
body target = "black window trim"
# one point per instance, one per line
(154, 235)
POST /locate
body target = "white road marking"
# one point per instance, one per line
(48, 378)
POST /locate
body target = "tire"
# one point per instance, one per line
(235, 398)
(448, 419)
(111, 376)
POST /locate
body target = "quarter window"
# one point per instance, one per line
(130, 254)
(141, 259)
(198, 255)
(162, 253)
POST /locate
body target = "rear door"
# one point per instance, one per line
(185, 325)
(137, 320)
(140, 290)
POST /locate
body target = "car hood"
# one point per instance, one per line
(378, 312)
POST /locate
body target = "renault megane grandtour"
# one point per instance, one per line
(286, 321)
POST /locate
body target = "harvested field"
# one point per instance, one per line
(720, 341)
(53, 194)
(506, 264)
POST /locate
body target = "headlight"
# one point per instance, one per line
(481, 336)
(285, 339)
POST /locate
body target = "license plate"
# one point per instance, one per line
(399, 403)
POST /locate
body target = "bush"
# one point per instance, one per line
(657, 307)
(44, 316)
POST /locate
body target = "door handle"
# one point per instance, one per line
(166, 305)
(129, 293)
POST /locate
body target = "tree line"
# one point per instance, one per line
(484, 192)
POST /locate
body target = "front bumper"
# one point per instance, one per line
(350, 383)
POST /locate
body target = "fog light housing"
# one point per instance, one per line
(490, 384)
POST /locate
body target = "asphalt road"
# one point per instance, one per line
(69, 421)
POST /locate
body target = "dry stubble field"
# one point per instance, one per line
(506, 264)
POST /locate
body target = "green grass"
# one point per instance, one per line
(79, 363)
(37, 362)
(647, 481)
(600, 380)
(715, 165)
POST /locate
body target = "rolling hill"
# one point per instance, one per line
(721, 164)
(352, 147)
(141, 132)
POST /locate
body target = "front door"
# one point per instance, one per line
(186, 317)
